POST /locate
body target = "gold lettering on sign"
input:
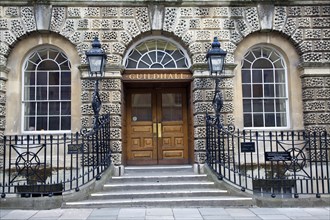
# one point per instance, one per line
(157, 76)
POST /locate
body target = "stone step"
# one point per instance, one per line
(158, 194)
(158, 170)
(221, 201)
(159, 178)
(158, 185)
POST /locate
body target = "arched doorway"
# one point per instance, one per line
(157, 90)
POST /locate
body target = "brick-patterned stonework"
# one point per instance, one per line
(306, 27)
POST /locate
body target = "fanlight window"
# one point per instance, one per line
(47, 91)
(264, 86)
(156, 54)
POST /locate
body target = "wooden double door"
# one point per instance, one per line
(157, 126)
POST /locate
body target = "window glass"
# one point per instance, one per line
(156, 54)
(264, 88)
(172, 107)
(141, 107)
(47, 91)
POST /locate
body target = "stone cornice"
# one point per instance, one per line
(163, 2)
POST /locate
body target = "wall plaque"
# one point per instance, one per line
(248, 147)
(277, 156)
(75, 148)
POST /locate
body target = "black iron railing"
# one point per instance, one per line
(52, 164)
(280, 163)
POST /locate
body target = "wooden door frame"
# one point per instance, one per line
(183, 90)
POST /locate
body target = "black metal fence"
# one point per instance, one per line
(51, 164)
(280, 163)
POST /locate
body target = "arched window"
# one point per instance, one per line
(47, 91)
(264, 86)
(156, 54)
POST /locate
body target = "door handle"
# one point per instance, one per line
(154, 128)
(159, 130)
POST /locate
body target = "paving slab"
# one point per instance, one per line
(80, 214)
(132, 213)
(213, 212)
(265, 211)
(159, 212)
(105, 212)
(238, 212)
(186, 213)
(19, 214)
(273, 217)
(54, 213)
(292, 212)
(4, 212)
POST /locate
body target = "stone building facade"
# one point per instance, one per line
(298, 31)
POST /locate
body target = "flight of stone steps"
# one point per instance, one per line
(160, 186)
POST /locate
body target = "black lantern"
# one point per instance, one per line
(96, 59)
(216, 58)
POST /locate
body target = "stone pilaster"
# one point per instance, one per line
(110, 87)
(202, 96)
(316, 98)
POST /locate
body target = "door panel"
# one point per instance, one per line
(157, 126)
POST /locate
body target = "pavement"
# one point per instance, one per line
(169, 214)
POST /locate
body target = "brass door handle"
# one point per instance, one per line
(154, 128)
(159, 130)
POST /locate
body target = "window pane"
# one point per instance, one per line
(268, 76)
(280, 90)
(258, 120)
(41, 78)
(141, 107)
(279, 76)
(281, 119)
(257, 76)
(30, 108)
(257, 106)
(171, 107)
(247, 120)
(261, 64)
(41, 123)
(42, 93)
(42, 108)
(246, 90)
(54, 93)
(54, 78)
(269, 120)
(29, 78)
(257, 90)
(269, 90)
(54, 123)
(29, 93)
(247, 106)
(29, 124)
(54, 108)
(65, 123)
(65, 93)
(65, 108)
(246, 76)
(280, 106)
(269, 105)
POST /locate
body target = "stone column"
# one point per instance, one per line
(3, 78)
(202, 95)
(110, 93)
(316, 97)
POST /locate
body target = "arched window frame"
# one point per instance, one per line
(280, 101)
(42, 91)
(147, 54)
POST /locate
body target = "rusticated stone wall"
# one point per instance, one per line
(306, 27)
